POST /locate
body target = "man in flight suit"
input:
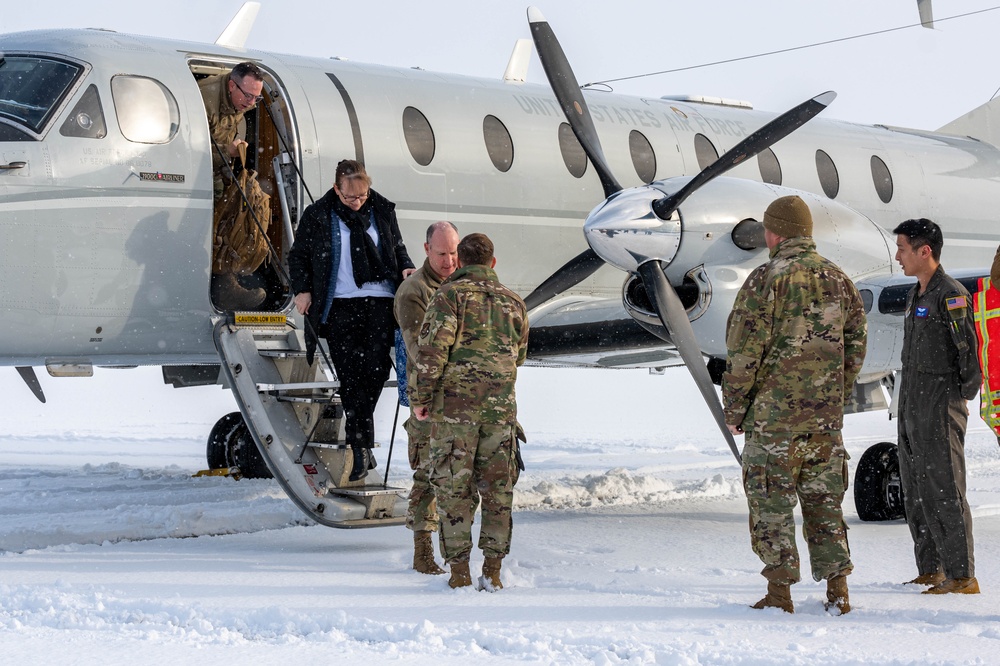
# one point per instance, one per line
(940, 373)
(473, 338)
(412, 297)
(796, 339)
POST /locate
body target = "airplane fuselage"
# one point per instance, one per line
(107, 240)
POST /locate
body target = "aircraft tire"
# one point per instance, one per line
(220, 438)
(243, 453)
(878, 492)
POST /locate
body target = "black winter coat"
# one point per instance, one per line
(310, 260)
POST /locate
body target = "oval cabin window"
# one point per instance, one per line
(419, 136)
(498, 143)
(572, 152)
(643, 158)
(829, 179)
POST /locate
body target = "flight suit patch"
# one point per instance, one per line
(921, 312)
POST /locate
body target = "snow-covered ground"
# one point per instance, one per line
(630, 546)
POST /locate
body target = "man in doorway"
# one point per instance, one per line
(227, 97)
(412, 298)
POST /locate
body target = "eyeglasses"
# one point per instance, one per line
(257, 99)
(351, 199)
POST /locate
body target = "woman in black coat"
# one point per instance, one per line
(346, 262)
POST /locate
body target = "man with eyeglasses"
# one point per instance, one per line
(227, 98)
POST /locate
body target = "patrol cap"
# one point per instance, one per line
(788, 217)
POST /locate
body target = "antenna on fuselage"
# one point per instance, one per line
(517, 66)
(236, 33)
(926, 13)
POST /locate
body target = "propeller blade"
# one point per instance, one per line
(674, 318)
(763, 138)
(567, 91)
(575, 271)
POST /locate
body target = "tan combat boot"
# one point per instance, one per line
(779, 595)
(490, 580)
(955, 586)
(927, 579)
(460, 576)
(837, 600)
(228, 294)
(423, 553)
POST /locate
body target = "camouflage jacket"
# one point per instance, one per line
(412, 298)
(796, 339)
(472, 339)
(224, 121)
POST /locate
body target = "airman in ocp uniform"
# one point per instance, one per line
(412, 298)
(472, 340)
(796, 339)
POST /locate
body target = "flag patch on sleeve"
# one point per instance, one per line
(956, 302)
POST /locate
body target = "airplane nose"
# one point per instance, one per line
(625, 232)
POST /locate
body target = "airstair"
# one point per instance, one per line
(294, 413)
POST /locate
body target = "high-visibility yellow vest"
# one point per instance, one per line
(986, 306)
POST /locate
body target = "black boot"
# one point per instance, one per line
(359, 467)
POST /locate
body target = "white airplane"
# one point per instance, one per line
(106, 223)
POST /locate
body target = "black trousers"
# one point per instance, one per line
(360, 333)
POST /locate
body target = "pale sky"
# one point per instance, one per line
(914, 78)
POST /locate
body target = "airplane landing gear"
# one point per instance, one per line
(231, 445)
(878, 490)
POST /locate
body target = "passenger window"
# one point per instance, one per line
(705, 151)
(31, 89)
(498, 143)
(829, 179)
(882, 179)
(770, 168)
(643, 157)
(419, 136)
(86, 120)
(572, 152)
(147, 112)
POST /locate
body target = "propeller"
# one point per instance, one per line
(650, 269)
(762, 139)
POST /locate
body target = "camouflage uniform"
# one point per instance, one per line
(473, 337)
(412, 298)
(940, 373)
(224, 124)
(796, 340)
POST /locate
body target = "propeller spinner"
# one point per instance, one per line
(638, 230)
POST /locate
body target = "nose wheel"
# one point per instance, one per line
(230, 444)
(878, 488)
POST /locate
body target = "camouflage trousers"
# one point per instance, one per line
(421, 513)
(780, 469)
(469, 462)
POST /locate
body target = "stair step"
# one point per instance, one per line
(366, 491)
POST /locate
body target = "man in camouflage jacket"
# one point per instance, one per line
(473, 338)
(796, 341)
(412, 298)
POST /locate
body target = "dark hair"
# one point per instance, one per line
(350, 170)
(439, 225)
(475, 249)
(922, 231)
(245, 69)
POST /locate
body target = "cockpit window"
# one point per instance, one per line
(86, 120)
(147, 111)
(31, 88)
